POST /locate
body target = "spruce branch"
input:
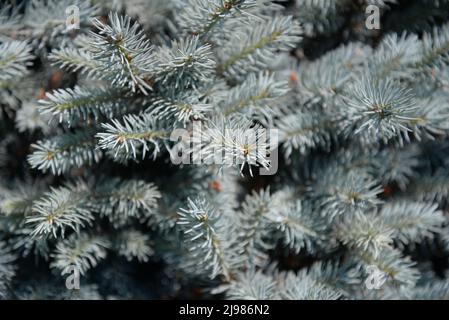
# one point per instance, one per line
(300, 227)
(380, 3)
(395, 165)
(255, 228)
(323, 81)
(395, 56)
(321, 16)
(121, 200)
(232, 142)
(27, 246)
(434, 290)
(10, 19)
(431, 188)
(18, 200)
(186, 63)
(382, 109)
(431, 119)
(202, 17)
(336, 277)
(205, 231)
(434, 48)
(252, 285)
(183, 108)
(131, 134)
(7, 268)
(15, 57)
(79, 251)
(340, 192)
(28, 118)
(367, 233)
(254, 46)
(257, 95)
(412, 221)
(363, 121)
(124, 51)
(79, 103)
(135, 244)
(304, 287)
(45, 21)
(399, 269)
(304, 131)
(64, 152)
(58, 210)
(78, 59)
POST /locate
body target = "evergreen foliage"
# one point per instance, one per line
(88, 174)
